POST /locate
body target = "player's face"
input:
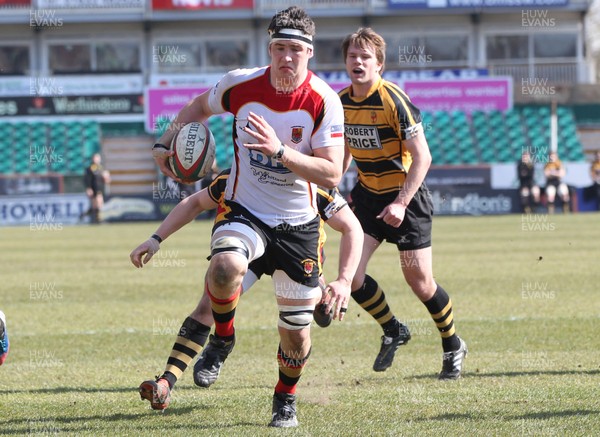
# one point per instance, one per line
(362, 65)
(289, 60)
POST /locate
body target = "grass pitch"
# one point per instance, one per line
(86, 328)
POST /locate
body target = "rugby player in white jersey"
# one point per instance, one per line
(288, 137)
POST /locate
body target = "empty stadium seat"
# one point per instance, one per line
(39, 147)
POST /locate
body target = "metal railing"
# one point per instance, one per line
(555, 73)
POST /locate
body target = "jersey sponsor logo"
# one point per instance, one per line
(362, 137)
(297, 134)
(264, 162)
(337, 131)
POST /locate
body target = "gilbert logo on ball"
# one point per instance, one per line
(194, 148)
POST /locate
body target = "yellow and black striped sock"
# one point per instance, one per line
(290, 370)
(190, 341)
(440, 308)
(372, 299)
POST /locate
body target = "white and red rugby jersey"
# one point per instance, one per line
(306, 119)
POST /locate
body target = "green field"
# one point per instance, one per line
(86, 328)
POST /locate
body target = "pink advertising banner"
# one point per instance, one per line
(482, 94)
(164, 103)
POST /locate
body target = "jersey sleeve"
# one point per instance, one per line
(409, 119)
(330, 129)
(216, 100)
(329, 202)
(408, 116)
(216, 189)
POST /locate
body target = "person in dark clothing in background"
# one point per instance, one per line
(528, 190)
(96, 178)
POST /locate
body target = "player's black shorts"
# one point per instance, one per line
(414, 232)
(293, 249)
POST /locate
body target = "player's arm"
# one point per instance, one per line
(183, 213)
(419, 149)
(197, 109)
(347, 158)
(186, 211)
(323, 168)
(393, 214)
(345, 222)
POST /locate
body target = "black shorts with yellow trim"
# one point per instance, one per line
(291, 248)
(414, 232)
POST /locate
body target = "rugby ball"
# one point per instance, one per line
(194, 147)
(319, 316)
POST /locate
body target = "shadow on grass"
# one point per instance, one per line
(62, 390)
(529, 416)
(550, 415)
(54, 425)
(59, 390)
(516, 374)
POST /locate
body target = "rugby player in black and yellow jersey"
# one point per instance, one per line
(385, 137)
(193, 334)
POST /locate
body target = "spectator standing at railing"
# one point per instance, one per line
(528, 190)
(554, 170)
(96, 179)
(595, 175)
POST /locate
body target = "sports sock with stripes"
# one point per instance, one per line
(224, 313)
(440, 308)
(372, 299)
(290, 370)
(190, 341)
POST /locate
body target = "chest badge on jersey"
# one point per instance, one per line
(297, 134)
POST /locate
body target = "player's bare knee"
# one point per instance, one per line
(225, 270)
(229, 261)
(357, 282)
(422, 287)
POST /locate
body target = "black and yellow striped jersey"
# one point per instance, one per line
(375, 127)
(595, 169)
(553, 167)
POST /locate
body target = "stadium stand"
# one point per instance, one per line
(54, 147)
(497, 137)
(99, 61)
(454, 138)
